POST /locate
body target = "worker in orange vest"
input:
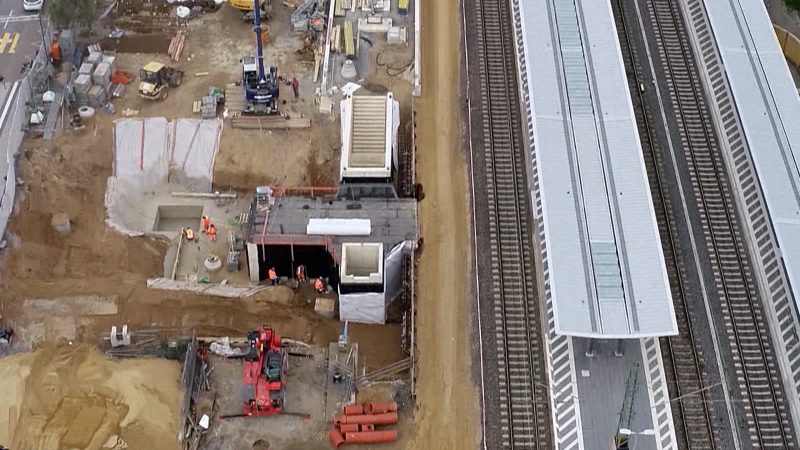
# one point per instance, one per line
(300, 274)
(319, 285)
(205, 222)
(212, 233)
(273, 276)
(189, 233)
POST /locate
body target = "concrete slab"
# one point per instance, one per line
(89, 305)
(602, 383)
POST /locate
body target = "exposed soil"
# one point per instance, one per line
(73, 397)
(56, 288)
(138, 43)
(69, 175)
(447, 399)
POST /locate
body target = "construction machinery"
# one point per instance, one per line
(156, 79)
(247, 8)
(261, 88)
(264, 374)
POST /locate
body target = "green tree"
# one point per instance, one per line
(67, 13)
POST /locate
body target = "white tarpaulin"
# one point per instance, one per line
(141, 151)
(339, 227)
(393, 273)
(366, 307)
(148, 152)
(194, 149)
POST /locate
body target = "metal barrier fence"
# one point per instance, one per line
(14, 121)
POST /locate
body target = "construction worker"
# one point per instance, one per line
(188, 233)
(296, 87)
(205, 222)
(319, 285)
(212, 233)
(300, 274)
(273, 276)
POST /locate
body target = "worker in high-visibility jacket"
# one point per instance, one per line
(273, 276)
(205, 222)
(212, 232)
(319, 285)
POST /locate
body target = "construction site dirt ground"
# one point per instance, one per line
(56, 289)
(305, 394)
(72, 397)
(447, 399)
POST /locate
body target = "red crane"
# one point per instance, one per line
(264, 374)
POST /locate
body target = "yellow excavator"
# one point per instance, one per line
(246, 8)
(156, 79)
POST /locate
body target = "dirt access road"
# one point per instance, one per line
(447, 399)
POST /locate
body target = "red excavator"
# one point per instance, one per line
(264, 374)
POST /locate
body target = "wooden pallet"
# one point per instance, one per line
(234, 99)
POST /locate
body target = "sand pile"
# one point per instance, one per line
(75, 398)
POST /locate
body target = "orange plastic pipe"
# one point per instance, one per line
(354, 409)
(350, 427)
(377, 419)
(366, 427)
(336, 439)
(379, 408)
(371, 437)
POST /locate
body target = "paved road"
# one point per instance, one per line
(20, 37)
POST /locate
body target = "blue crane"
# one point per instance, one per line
(261, 87)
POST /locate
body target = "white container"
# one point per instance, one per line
(86, 112)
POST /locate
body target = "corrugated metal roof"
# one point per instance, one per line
(605, 268)
(769, 110)
(368, 139)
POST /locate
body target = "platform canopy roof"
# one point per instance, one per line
(604, 267)
(769, 110)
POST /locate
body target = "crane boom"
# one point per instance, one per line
(262, 78)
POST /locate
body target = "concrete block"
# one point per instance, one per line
(325, 307)
(374, 25)
(97, 96)
(111, 60)
(396, 35)
(94, 57)
(82, 84)
(86, 69)
(67, 43)
(102, 74)
(60, 223)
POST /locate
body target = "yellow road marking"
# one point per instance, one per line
(13, 47)
(4, 42)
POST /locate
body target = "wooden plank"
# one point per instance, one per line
(337, 38)
(349, 47)
(267, 123)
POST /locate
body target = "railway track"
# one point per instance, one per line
(523, 407)
(757, 376)
(682, 354)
